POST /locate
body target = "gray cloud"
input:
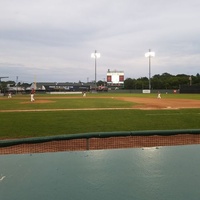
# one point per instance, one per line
(53, 39)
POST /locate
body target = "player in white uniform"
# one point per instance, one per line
(159, 96)
(32, 95)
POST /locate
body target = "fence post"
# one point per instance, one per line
(87, 144)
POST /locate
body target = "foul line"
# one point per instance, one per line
(93, 109)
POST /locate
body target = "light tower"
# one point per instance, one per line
(150, 54)
(95, 55)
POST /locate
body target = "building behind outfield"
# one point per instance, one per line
(60, 87)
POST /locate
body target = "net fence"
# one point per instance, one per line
(99, 141)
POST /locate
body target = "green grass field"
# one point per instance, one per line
(34, 123)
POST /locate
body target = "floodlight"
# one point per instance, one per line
(150, 54)
(95, 55)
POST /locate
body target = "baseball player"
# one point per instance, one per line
(9, 95)
(159, 96)
(32, 95)
(84, 94)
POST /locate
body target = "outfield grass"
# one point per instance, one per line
(47, 123)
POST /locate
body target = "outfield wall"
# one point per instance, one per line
(194, 89)
(64, 92)
(142, 91)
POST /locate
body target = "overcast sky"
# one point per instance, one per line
(52, 40)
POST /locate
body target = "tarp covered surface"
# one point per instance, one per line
(142, 173)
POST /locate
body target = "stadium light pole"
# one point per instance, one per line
(95, 55)
(149, 55)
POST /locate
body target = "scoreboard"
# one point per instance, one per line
(115, 77)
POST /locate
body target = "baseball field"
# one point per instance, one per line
(52, 115)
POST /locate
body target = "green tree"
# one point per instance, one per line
(128, 83)
(100, 83)
(163, 81)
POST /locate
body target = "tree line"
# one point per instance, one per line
(163, 81)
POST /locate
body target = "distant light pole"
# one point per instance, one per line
(190, 79)
(150, 54)
(95, 55)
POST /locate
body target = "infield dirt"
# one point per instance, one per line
(154, 103)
